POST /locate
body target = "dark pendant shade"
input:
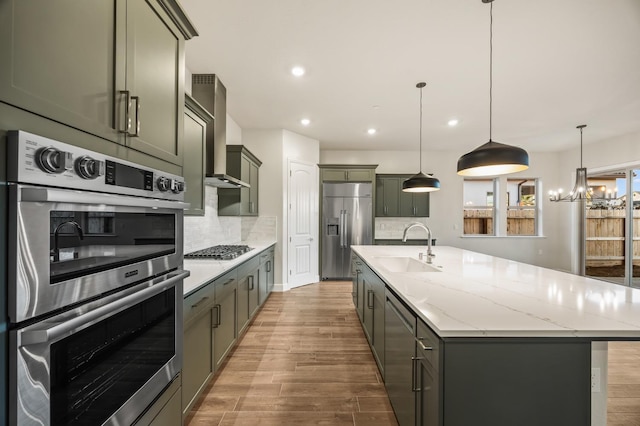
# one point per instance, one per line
(493, 158)
(421, 183)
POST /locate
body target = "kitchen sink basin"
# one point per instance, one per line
(405, 264)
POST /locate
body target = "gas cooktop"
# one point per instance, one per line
(222, 252)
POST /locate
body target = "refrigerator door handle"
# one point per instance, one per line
(342, 230)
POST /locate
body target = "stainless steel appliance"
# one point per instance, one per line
(94, 284)
(220, 252)
(347, 218)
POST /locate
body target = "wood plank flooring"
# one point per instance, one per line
(303, 361)
(623, 403)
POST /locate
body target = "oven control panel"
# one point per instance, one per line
(38, 160)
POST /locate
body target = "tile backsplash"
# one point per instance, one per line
(210, 230)
(392, 228)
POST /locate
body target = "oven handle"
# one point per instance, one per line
(57, 331)
(51, 195)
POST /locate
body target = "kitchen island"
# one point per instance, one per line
(506, 343)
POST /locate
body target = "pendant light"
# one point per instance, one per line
(579, 191)
(421, 182)
(492, 158)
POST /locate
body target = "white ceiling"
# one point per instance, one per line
(557, 64)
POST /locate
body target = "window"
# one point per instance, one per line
(501, 206)
(479, 206)
(521, 207)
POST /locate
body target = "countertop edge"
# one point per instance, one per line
(203, 271)
(592, 335)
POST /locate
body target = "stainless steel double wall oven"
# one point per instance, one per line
(94, 284)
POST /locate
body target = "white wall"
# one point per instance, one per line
(274, 148)
(446, 217)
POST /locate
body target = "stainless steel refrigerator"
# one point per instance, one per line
(347, 218)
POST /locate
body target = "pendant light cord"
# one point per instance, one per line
(421, 130)
(490, 69)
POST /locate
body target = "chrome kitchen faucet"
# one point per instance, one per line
(430, 254)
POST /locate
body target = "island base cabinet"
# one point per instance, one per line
(520, 382)
(400, 360)
(428, 393)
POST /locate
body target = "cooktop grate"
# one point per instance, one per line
(220, 252)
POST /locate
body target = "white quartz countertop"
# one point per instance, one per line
(205, 270)
(477, 295)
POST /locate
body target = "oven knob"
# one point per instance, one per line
(164, 184)
(52, 160)
(88, 168)
(177, 186)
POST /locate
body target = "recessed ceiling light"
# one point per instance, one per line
(453, 122)
(372, 131)
(305, 121)
(297, 71)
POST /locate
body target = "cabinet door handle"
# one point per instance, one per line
(127, 119)
(422, 346)
(251, 284)
(268, 266)
(137, 129)
(217, 307)
(414, 374)
(415, 211)
(229, 281)
(369, 299)
(199, 302)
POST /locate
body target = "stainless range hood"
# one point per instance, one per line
(209, 91)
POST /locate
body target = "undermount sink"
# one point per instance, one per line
(405, 264)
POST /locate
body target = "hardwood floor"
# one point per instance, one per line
(303, 361)
(623, 403)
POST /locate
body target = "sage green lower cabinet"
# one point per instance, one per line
(428, 410)
(224, 336)
(214, 316)
(165, 411)
(400, 359)
(198, 362)
(373, 315)
(266, 279)
(357, 291)
(248, 276)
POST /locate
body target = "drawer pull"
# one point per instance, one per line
(199, 302)
(422, 346)
(229, 281)
(218, 315)
(414, 371)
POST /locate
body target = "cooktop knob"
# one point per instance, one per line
(164, 184)
(89, 168)
(52, 160)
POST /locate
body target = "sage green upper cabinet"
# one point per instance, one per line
(243, 165)
(414, 204)
(347, 173)
(392, 201)
(196, 120)
(388, 196)
(114, 69)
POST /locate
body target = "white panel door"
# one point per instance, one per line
(303, 224)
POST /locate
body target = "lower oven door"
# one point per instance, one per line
(102, 363)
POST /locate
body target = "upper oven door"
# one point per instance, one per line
(69, 246)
